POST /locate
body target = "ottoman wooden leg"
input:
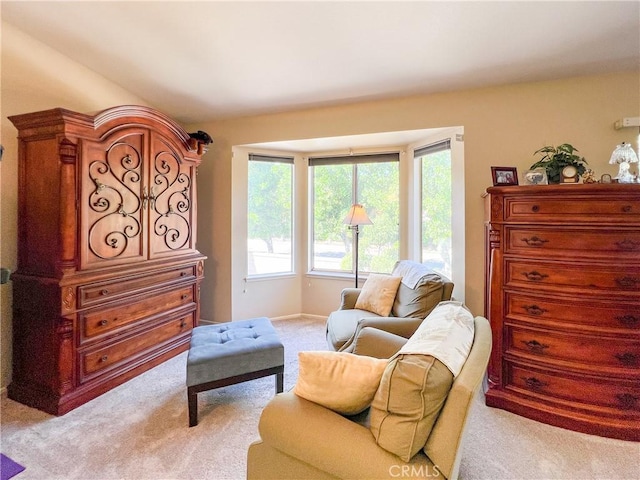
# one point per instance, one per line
(192, 397)
(279, 382)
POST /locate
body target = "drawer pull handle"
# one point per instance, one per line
(627, 282)
(627, 359)
(104, 291)
(627, 401)
(535, 241)
(629, 320)
(628, 245)
(535, 346)
(626, 208)
(183, 274)
(184, 296)
(103, 322)
(535, 276)
(535, 208)
(534, 310)
(534, 383)
(103, 358)
(183, 324)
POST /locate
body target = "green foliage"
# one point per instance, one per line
(554, 159)
(269, 203)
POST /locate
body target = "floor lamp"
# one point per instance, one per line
(357, 216)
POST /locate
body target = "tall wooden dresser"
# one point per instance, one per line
(108, 277)
(563, 299)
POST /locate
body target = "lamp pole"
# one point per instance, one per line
(357, 216)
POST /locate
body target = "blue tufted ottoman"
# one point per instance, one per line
(233, 352)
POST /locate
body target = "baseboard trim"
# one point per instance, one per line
(297, 316)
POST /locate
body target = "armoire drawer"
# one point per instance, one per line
(97, 361)
(98, 293)
(587, 392)
(556, 208)
(572, 277)
(586, 351)
(98, 322)
(572, 242)
(581, 313)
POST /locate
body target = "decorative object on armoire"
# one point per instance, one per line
(503, 176)
(563, 299)
(554, 159)
(356, 216)
(624, 155)
(108, 278)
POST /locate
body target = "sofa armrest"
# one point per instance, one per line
(377, 343)
(348, 298)
(404, 327)
(328, 441)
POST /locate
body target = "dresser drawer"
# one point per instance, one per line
(585, 392)
(583, 350)
(573, 242)
(572, 277)
(581, 314)
(98, 322)
(97, 361)
(98, 293)
(584, 210)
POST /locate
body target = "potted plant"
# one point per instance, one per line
(554, 159)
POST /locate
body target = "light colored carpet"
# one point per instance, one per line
(139, 431)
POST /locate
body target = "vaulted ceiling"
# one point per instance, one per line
(206, 60)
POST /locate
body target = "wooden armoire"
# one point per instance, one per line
(108, 277)
(563, 299)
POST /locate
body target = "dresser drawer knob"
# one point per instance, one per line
(103, 358)
(629, 320)
(535, 346)
(628, 245)
(627, 282)
(183, 324)
(627, 401)
(534, 383)
(534, 310)
(535, 276)
(626, 208)
(103, 322)
(535, 241)
(535, 208)
(184, 296)
(104, 292)
(627, 359)
(183, 274)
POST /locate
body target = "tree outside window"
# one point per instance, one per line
(270, 215)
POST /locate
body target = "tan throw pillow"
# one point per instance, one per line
(378, 293)
(412, 391)
(342, 382)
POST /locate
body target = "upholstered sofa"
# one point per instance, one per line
(420, 290)
(301, 439)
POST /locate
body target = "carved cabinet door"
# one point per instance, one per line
(112, 201)
(171, 200)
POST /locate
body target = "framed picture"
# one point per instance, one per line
(537, 176)
(504, 176)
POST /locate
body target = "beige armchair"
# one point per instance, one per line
(303, 440)
(420, 291)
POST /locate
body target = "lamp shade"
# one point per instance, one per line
(623, 153)
(357, 216)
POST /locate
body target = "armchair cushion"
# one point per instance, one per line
(378, 294)
(342, 382)
(405, 407)
(420, 299)
(417, 381)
